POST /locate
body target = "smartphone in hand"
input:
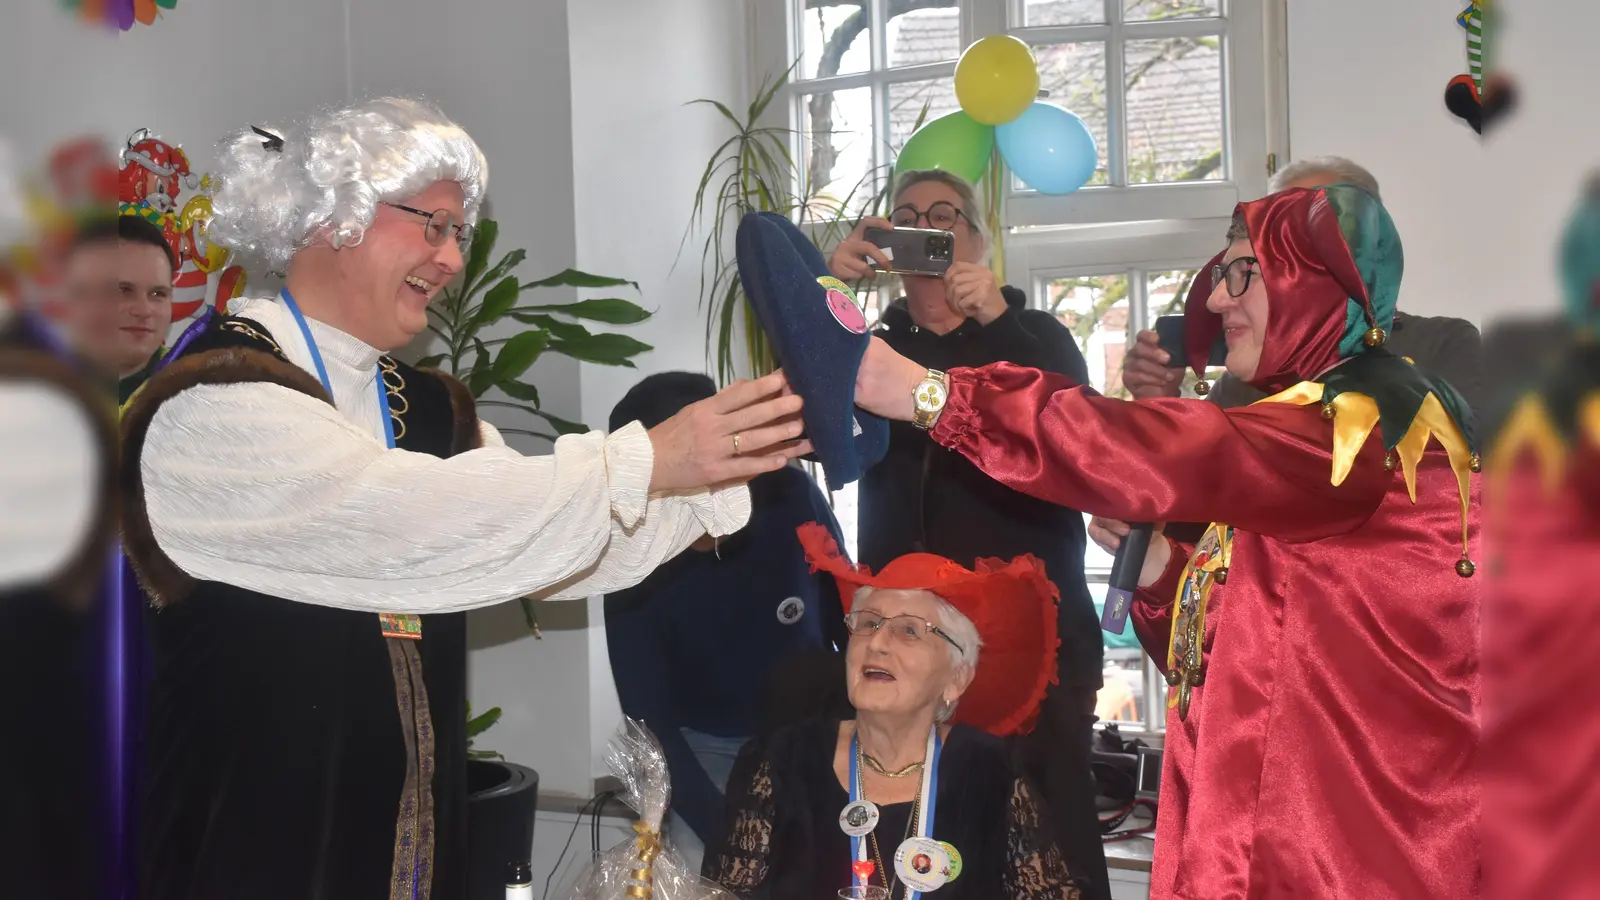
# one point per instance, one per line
(1169, 331)
(914, 251)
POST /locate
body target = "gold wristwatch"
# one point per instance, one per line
(929, 398)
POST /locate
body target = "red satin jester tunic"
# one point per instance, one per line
(1330, 750)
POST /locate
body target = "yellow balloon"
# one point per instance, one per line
(997, 79)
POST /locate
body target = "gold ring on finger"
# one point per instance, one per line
(735, 443)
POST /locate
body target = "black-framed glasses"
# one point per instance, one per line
(439, 225)
(1236, 274)
(941, 216)
(906, 629)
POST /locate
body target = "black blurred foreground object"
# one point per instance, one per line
(58, 835)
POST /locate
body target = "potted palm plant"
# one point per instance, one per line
(754, 170)
(488, 295)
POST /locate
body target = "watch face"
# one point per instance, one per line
(930, 396)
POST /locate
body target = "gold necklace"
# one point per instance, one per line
(889, 880)
(878, 767)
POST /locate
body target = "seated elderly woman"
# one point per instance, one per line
(912, 795)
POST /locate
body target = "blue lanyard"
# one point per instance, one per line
(930, 797)
(322, 370)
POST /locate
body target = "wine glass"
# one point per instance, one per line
(864, 892)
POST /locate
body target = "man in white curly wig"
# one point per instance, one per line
(312, 517)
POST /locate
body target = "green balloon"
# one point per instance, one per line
(956, 143)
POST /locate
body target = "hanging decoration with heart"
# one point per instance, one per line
(1484, 94)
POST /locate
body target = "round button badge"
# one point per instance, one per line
(859, 818)
(843, 305)
(790, 610)
(955, 859)
(922, 863)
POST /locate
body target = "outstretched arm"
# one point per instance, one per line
(1258, 468)
(270, 489)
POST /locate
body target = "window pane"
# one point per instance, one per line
(1165, 293)
(1095, 309)
(1075, 76)
(1120, 698)
(1156, 10)
(1095, 560)
(927, 35)
(1174, 102)
(906, 102)
(835, 38)
(836, 137)
(844, 512)
(1063, 12)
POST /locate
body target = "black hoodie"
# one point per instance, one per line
(924, 497)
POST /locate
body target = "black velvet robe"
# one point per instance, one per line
(275, 752)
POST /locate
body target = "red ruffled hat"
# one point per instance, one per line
(1012, 604)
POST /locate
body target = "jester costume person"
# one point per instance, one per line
(1541, 630)
(1321, 640)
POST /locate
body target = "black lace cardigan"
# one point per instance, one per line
(783, 839)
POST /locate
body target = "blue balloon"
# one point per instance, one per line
(1050, 149)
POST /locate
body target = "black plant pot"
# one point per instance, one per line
(501, 800)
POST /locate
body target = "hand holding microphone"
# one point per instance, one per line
(1139, 561)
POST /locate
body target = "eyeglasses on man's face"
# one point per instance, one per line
(905, 629)
(941, 216)
(1235, 274)
(439, 225)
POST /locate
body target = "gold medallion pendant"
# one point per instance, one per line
(1208, 566)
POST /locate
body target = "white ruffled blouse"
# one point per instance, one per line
(268, 489)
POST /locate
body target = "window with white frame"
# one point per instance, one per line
(1176, 93)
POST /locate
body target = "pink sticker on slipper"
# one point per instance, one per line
(842, 304)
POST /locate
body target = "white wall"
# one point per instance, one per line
(202, 69)
(1479, 218)
(638, 152)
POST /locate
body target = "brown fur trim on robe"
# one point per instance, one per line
(466, 433)
(163, 581)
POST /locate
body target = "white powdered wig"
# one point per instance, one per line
(331, 173)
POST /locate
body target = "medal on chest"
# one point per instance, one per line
(1207, 568)
(919, 862)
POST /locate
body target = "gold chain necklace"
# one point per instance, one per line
(889, 880)
(878, 767)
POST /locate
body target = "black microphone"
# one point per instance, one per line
(1125, 567)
